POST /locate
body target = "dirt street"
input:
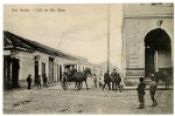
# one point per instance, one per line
(94, 101)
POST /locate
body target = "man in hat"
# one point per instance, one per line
(107, 80)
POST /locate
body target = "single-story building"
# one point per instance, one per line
(23, 57)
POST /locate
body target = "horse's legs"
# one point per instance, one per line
(86, 84)
(118, 84)
(113, 83)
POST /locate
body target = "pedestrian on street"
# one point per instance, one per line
(141, 92)
(152, 88)
(118, 82)
(45, 81)
(107, 80)
(29, 81)
(114, 79)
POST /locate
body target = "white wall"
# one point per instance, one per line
(26, 65)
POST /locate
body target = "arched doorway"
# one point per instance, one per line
(158, 52)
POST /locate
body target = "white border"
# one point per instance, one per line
(2, 2)
(80, 1)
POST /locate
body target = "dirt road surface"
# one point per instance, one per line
(54, 100)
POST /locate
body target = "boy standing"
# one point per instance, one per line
(29, 81)
(141, 93)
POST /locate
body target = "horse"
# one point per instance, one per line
(78, 77)
(165, 77)
(82, 77)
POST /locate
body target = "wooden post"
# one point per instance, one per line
(108, 39)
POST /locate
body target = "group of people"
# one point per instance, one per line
(37, 81)
(114, 78)
(141, 91)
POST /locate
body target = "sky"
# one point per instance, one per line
(75, 29)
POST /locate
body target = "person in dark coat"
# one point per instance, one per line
(107, 80)
(29, 81)
(114, 79)
(118, 82)
(141, 92)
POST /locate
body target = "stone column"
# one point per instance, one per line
(156, 61)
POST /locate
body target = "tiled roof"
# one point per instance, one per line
(12, 40)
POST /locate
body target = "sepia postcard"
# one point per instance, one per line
(88, 58)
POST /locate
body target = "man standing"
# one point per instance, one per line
(114, 79)
(152, 88)
(29, 81)
(107, 80)
(118, 82)
(141, 92)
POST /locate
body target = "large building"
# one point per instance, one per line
(147, 40)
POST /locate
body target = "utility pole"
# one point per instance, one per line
(108, 37)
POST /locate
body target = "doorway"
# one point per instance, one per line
(43, 71)
(51, 69)
(11, 72)
(60, 71)
(15, 73)
(157, 52)
(36, 70)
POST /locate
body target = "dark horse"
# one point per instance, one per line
(165, 77)
(78, 77)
